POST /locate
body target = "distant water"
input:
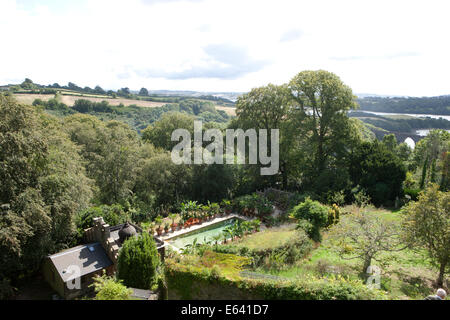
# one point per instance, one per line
(433, 116)
(425, 132)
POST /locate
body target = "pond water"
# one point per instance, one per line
(202, 235)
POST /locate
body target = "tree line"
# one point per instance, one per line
(424, 105)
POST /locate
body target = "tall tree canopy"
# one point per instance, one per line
(322, 101)
(43, 187)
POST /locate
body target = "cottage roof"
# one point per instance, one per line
(88, 258)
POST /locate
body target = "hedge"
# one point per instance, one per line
(196, 281)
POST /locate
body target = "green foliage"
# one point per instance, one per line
(334, 213)
(431, 155)
(112, 215)
(54, 105)
(108, 288)
(396, 124)
(191, 278)
(311, 217)
(412, 193)
(211, 182)
(254, 202)
(161, 182)
(377, 170)
(43, 185)
(427, 224)
(364, 236)
(327, 97)
(111, 150)
(138, 262)
(160, 133)
(423, 105)
(276, 256)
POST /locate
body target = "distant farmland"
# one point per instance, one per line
(28, 98)
(229, 110)
(70, 98)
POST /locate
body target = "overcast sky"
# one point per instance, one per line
(383, 47)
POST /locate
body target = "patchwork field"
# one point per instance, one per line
(70, 100)
(229, 110)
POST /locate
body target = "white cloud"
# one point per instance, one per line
(385, 47)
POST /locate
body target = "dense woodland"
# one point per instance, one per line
(61, 166)
(423, 105)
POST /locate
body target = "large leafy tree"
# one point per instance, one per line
(324, 129)
(378, 170)
(42, 187)
(427, 224)
(322, 101)
(267, 108)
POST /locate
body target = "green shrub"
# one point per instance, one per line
(138, 261)
(108, 288)
(311, 217)
(413, 193)
(112, 215)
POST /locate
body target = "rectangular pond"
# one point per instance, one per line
(202, 235)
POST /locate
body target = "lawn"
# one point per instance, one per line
(268, 238)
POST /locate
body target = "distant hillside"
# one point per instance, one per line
(225, 99)
(426, 105)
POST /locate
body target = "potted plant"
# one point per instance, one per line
(173, 216)
(214, 209)
(158, 221)
(206, 212)
(227, 206)
(166, 227)
(181, 223)
(151, 228)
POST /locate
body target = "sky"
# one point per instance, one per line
(381, 47)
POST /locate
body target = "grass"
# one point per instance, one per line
(268, 238)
